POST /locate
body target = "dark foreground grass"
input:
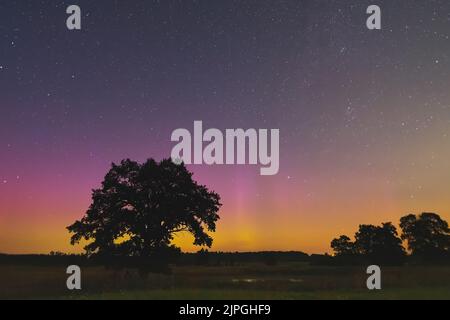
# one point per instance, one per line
(387, 294)
(247, 281)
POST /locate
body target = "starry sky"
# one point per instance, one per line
(364, 116)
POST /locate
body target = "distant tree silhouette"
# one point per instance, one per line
(374, 244)
(428, 235)
(140, 207)
(343, 246)
(380, 244)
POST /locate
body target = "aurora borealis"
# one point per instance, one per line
(364, 116)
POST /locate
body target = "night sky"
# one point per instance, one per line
(364, 116)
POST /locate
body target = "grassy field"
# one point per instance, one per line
(249, 281)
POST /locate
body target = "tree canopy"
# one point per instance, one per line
(427, 234)
(343, 246)
(140, 207)
(379, 244)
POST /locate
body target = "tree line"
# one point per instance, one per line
(140, 207)
(424, 238)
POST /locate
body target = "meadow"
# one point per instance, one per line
(243, 281)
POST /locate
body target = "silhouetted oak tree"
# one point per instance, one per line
(140, 207)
